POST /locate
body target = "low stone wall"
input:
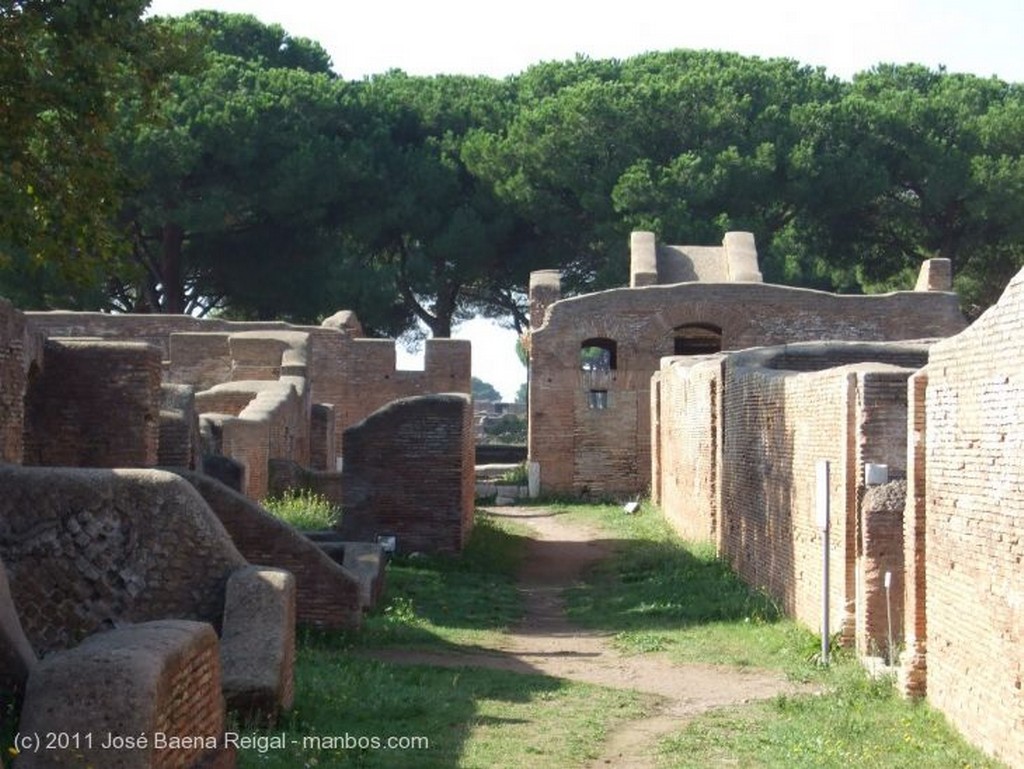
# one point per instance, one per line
(408, 472)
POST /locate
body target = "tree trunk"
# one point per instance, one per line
(171, 269)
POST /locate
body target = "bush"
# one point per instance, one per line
(304, 509)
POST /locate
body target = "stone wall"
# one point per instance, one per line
(409, 472)
(94, 404)
(590, 430)
(964, 590)
(88, 549)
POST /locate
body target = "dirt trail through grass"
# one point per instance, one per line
(546, 643)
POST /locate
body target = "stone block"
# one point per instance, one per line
(157, 683)
(258, 643)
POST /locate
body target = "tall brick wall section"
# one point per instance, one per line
(94, 404)
(688, 446)
(327, 595)
(776, 425)
(408, 471)
(371, 381)
(21, 352)
(85, 549)
(642, 323)
(974, 489)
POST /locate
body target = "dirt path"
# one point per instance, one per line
(545, 642)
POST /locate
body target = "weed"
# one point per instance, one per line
(304, 509)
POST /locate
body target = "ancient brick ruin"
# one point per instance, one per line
(150, 567)
(589, 419)
(735, 442)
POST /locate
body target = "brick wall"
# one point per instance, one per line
(687, 441)
(408, 471)
(87, 548)
(21, 352)
(166, 676)
(571, 444)
(738, 444)
(327, 595)
(974, 493)
(94, 404)
(356, 376)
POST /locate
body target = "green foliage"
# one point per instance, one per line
(508, 428)
(303, 509)
(522, 393)
(64, 70)
(214, 163)
(484, 391)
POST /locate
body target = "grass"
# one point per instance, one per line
(303, 509)
(444, 601)
(861, 722)
(659, 594)
(470, 717)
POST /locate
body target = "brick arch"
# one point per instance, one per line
(697, 339)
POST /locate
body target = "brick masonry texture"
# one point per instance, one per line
(739, 439)
(607, 451)
(327, 595)
(354, 375)
(21, 352)
(94, 404)
(409, 471)
(974, 493)
(88, 549)
(166, 676)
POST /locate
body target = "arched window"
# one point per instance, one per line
(698, 339)
(598, 355)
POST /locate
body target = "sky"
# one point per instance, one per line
(472, 37)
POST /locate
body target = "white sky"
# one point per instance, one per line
(421, 37)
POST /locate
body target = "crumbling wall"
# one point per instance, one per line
(371, 379)
(94, 404)
(140, 683)
(973, 439)
(881, 553)
(87, 549)
(409, 472)
(609, 452)
(354, 375)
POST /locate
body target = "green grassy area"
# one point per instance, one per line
(471, 717)
(859, 723)
(658, 593)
